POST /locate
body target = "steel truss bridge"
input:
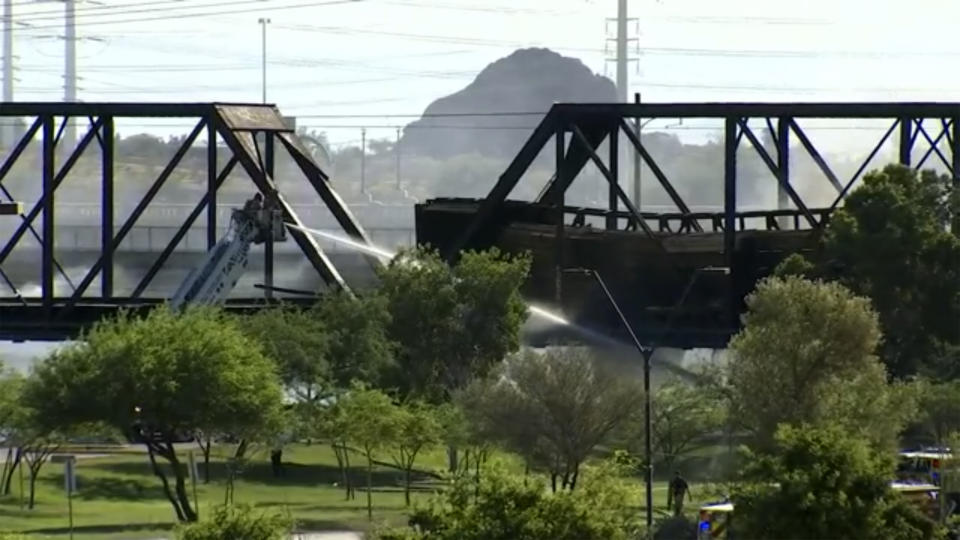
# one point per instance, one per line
(254, 134)
(655, 263)
(648, 258)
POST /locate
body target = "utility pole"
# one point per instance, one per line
(263, 55)
(6, 130)
(363, 160)
(622, 60)
(397, 151)
(637, 163)
(622, 83)
(70, 66)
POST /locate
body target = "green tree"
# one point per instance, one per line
(891, 243)
(298, 342)
(806, 355)
(330, 423)
(452, 324)
(939, 409)
(11, 410)
(159, 376)
(683, 417)
(553, 408)
(372, 425)
(359, 347)
(418, 428)
(824, 483)
(503, 506)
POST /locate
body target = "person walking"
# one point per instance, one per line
(675, 493)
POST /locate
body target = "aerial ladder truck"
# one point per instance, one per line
(211, 282)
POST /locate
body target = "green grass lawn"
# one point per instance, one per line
(119, 497)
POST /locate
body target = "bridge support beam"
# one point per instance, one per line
(613, 141)
(954, 138)
(268, 151)
(783, 166)
(106, 207)
(731, 138)
(906, 140)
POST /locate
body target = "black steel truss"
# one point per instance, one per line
(249, 131)
(589, 125)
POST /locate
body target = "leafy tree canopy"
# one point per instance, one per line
(891, 242)
(452, 324)
(824, 483)
(553, 408)
(159, 376)
(806, 355)
(475, 509)
(683, 419)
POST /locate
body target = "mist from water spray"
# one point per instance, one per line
(387, 254)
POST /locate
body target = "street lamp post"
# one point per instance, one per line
(647, 353)
(263, 55)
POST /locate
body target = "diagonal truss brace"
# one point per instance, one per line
(637, 216)
(765, 156)
(242, 145)
(661, 177)
(135, 215)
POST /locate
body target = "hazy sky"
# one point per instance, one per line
(375, 57)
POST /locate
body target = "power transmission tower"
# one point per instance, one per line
(7, 128)
(622, 40)
(622, 60)
(70, 66)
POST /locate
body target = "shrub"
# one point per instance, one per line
(238, 523)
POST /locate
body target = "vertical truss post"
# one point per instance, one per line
(955, 160)
(906, 140)
(211, 183)
(558, 204)
(783, 166)
(46, 263)
(730, 209)
(615, 172)
(106, 207)
(268, 149)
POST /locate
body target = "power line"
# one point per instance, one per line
(179, 16)
(100, 11)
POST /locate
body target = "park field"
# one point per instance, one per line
(119, 498)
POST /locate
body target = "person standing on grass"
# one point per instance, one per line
(675, 493)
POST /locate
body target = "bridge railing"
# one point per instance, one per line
(678, 222)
